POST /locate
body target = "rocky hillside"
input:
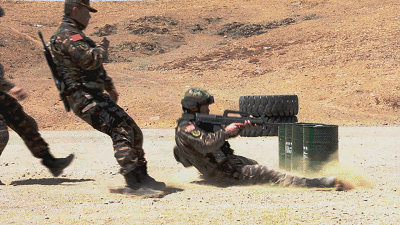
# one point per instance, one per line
(340, 57)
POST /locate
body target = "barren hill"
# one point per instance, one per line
(340, 57)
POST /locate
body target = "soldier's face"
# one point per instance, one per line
(205, 109)
(81, 15)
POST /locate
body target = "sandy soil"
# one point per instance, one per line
(368, 159)
(340, 57)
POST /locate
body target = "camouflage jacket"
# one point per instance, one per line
(79, 59)
(5, 85)
(199, 146)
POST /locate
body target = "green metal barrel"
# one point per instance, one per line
(281, 137)
(288, 146)
(320, 145)
(297, 146)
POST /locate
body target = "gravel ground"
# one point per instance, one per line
(368, 159)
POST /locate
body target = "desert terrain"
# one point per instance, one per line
(368, 159)
(340, 58)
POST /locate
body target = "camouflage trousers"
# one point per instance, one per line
(103, 114)
(241, 170)
(12, 115)
(4, 136)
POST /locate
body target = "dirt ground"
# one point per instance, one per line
(368, 159)
(340, 57)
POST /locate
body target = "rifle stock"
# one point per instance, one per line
(54, 71)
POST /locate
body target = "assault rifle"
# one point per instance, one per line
(226, 120)
(57, 77)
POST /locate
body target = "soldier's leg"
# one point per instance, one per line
(106, 116)
(4, 135)
(135, 174)
(32, 122)
(26, 127)
(261, 174)
(241, 160)
(17, 120)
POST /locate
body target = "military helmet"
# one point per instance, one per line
(70, 4)
(195, 97)
(1, 12)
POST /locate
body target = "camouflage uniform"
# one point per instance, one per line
(210, 153)
(80, 61)
(4, 136)
(4, 86)
(13, 115)
(206, 148)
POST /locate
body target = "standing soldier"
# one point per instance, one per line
(80, 62)
(12, 115)
(207, 149)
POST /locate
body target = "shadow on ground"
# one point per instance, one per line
(48, 181)
(144, 193)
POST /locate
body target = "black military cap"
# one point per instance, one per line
(69, 4)
(1, 12)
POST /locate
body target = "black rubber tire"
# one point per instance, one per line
(269, 105)
(269, 130)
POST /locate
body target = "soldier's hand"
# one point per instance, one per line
(18, 92)
(247, 124)
(113, 95)
(105, 42)
(233, 129)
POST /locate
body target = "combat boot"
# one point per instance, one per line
(131, 181)
(149, 182)
(56, 165)
(146, 180)
(134, 187)
(325, 182)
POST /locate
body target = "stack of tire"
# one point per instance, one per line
(275, 109)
